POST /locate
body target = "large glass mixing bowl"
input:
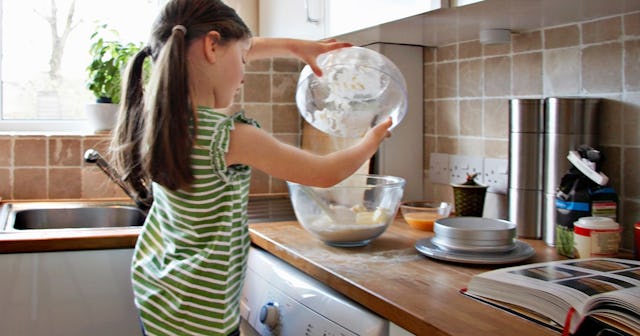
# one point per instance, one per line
(359, 88)
(352, 212)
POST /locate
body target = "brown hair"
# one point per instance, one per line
(155, 134)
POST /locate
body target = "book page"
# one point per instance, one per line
(607, 285)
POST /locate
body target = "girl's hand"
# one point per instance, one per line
(380, 131)
(308, 51)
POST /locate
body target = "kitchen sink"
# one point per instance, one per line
(19, 216)
(69, 215)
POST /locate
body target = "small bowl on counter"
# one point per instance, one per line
(422, 215)
(351, 213)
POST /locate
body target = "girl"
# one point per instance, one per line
(189, 261)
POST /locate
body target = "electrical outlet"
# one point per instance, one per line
(439, 168)
(496, 175)
(460, 166)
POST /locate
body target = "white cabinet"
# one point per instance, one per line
(70, 293)
(346, 16)
(317, 19)
(304, 19)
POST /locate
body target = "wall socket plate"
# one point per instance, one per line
(439, 168)
(496, 175)
(461, 165)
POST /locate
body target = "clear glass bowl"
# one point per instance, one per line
(422, 214)
(359, 88)
(351, 213)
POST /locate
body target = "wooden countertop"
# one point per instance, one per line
(420, 294)
(388, 276)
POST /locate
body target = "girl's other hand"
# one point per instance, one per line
(310, 50)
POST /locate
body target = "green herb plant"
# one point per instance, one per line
(109, 58)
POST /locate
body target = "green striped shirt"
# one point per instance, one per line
(190, 258)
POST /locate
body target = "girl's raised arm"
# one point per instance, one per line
(306, 51)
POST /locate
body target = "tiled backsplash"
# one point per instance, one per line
(468, 86)
(52, 167)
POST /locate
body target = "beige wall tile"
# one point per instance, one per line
(561, 71)
(470, 49)
(470, 147)
(610, 124)
(262, 113)
(497, 76)
(602, 30)
(632, 65)
(429, 79)
(447, 53)
(527, 41)
(429, 54)
(284, 87)
(447, 80)
(447, 121)
(30, 152)
(259, 182)
(65, 183)
(471, 117)
(611, 166)
(257, 88)
(527, 74)
(5, 183)
(632, 24)
(6, 148)
(495, 49)
(263, 65)
(631, 120)
(561, 37)
(279, 186)
(470, 78)
(30, 183)
(286, 118)
(631, 185)
(496, 118)
(65, 151)
(496, 148)
(95, 184)
(447, 145)
(286, 65)
(429, 117)
(602, 68)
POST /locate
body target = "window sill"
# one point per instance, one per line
(47, 127)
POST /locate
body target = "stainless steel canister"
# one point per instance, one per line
(568, 123)
(526, 136)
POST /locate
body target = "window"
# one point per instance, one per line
(44, 54)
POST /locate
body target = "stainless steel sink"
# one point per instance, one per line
(68, 215)
(17, 216)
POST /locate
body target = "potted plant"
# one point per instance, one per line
(109, 58)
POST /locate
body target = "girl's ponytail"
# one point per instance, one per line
(126, 143)
(168, 130)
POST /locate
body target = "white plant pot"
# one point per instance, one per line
(102, 116)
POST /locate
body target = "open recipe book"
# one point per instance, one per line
(563, 293)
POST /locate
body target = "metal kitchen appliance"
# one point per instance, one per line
(525, 166)
(568, 123)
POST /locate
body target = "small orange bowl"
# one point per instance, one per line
(422, 214)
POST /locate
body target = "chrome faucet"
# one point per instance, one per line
(142, 198)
